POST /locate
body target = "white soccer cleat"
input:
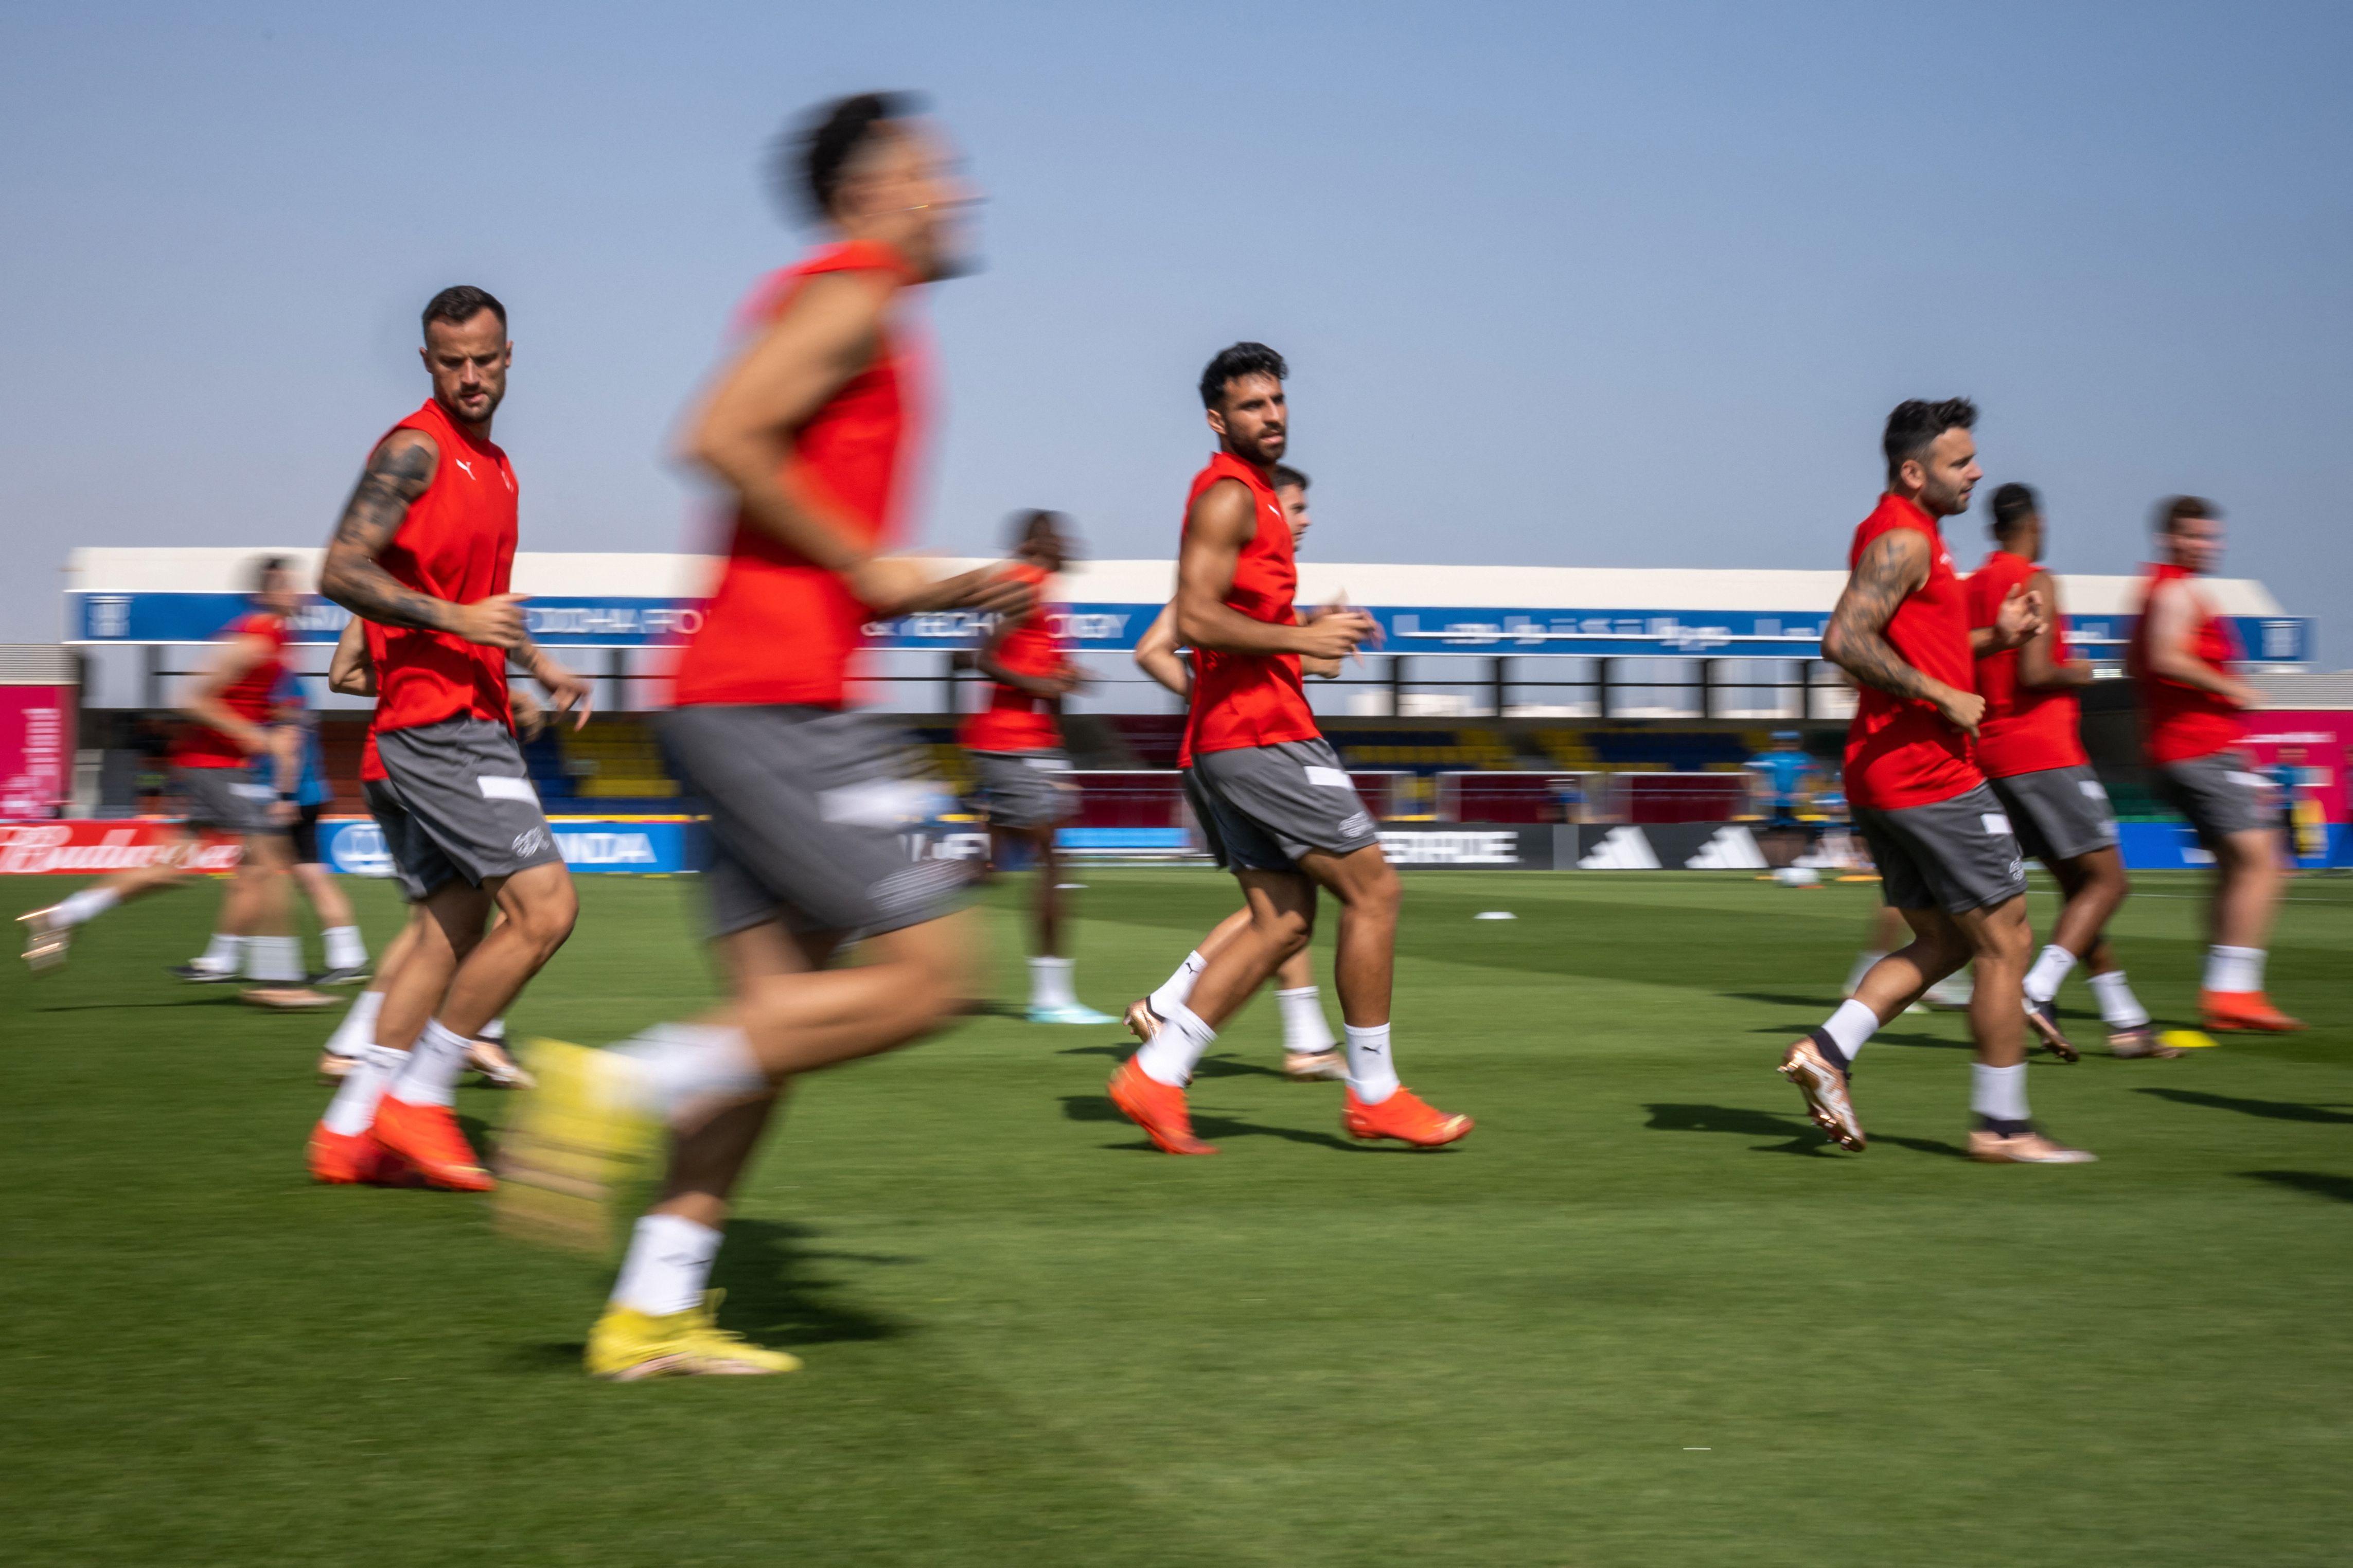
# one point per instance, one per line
(1310, 1067)
(46, 940)
(2027, 1148)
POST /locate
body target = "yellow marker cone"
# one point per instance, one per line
(2187, 1039)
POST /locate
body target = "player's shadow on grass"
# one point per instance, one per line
(1917, 1042)
(1095, 1107)
(2318, 1183)
(1799, 1136)
(2270, 1109)
(1211, 1067)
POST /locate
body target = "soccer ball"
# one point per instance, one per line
(1797, 877)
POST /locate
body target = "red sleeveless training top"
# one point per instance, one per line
(2178, 722)
(458, 543)
(248, 697)
(1013, 720)
(1250, 700)
(2025, 729)
(1901, 751)
(780, 628)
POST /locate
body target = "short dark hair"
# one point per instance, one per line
(1233, 364)
(807, 167)
(1915, 425)
(2175, 510)
(1028, 526)
(461, 303)
(259, 570)
(1288, 477)
(2013, 503)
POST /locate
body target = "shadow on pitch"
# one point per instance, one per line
(1095, 1107)
(2270, 1109)
(1798, 1135)
(1209, 1067)
(1884, 1037)
(2318, 1184)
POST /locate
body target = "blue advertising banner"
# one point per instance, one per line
(355, 845)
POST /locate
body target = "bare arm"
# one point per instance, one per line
(1894, 565)
(572, 693)
(397, 472)
(204, 703)
(286, 750)
(350, 671)
(1156, 655)
(2173, 610)
(1221, 521)
(1321, 668)
(2036, 667)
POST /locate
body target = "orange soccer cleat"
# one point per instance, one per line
(1157, 1107)
(2249, 1012)
(348, 1159)
(428, 1137)
(1404, 1116)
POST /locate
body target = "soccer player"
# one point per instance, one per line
(1015, 745)
(1278, 809)
(2032, 750)
(1947, 858)
(424, 553)
(220, 770)
(2179, 659)
(1308, 1052)
(812, 430)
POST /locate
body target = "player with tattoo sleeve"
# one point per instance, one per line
(424, 553)
(1947, 858)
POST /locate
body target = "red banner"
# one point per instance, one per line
(37, 726)
(95, 848)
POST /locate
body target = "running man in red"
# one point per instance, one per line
(1278, 809)
(223, 770)
(1946, 855)
(1309, 1051)
(1015, 745)
(2031, 747)
(2180, 659)
(815, 430)
(424, 553)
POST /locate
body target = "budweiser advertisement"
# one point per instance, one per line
(37, 724)
(94, 848)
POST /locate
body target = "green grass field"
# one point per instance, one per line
(1642, 1316)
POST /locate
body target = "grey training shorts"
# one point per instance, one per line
(1024, 789)
(1262, 807)
(813, 819)
(459, 803)
(1955, 855)
(228, 799)
(2058, 814)
(2219, 793)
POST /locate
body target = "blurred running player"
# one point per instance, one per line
(1946, 855)
(813, 430)
(1308, 1050)
(2030, 748)
(2180, 659)
(221, 771)
(424, 553)
(1015, 745)
(1270, 794)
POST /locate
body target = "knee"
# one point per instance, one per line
(546, 918)
(1376, 893)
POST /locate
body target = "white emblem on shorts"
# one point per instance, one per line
(2248, 780)
(879, 803)
(914, 885)
(1357, 823)
(1329, 778)
(2018, 871)
(1994, 821)
(2092, 788)
(493, 787)
(529, 844)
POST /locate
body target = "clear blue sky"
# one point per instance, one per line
(1626, 285)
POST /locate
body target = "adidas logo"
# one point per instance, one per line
(1728, 848)
(1622, 849)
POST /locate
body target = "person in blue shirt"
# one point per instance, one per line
(1781, 775)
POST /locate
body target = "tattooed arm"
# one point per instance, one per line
(1892, 565)
(397, 472)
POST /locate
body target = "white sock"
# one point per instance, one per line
(1998, 1094)
(1170, 1055)
(357, 1031)
(2235, 969)
(683, 1062)
(1371, 1073)
(2050, 969)
(221, 953)
(2119, 1009)
(667, 1266)
(87, 905)
(430, 1075)
(274, 960)
(1304, 1030)
(344, 948)
(352, 1109)
(1050, 983)
(1850, 1026)
(1177, 989)
(1863, 963)
(496, 1029)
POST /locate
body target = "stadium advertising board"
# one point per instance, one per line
(37, 726)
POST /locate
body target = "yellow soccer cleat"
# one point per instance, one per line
(577, 1152)
(629, 1346)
